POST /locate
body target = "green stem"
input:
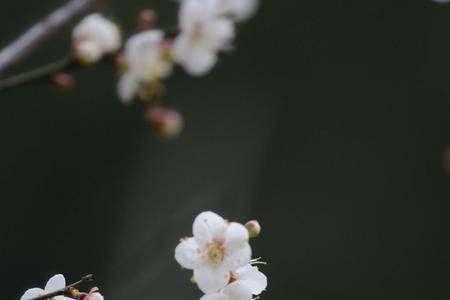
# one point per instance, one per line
(40, 74)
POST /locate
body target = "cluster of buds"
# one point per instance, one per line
(219, 254)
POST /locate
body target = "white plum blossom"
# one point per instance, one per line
(148, 60)
(216, 250)
(204, 33)
(246, 281)
(55, 283)
(94, 37)
(238, 10)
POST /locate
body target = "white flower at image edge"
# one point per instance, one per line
(216, 249)
(248, 281)
(95, 36)
(55, 283)
(203, 34)
(147, 60)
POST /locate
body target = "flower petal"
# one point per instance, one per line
(196, 57)
(215, 296)
(127, 87)
(207, 227)
(32, 293)
(55, 283)
(237, 291)
(238, 252)
(236, 235)
(210, 280)
(252, 278)
(237, 257)
(187, 254)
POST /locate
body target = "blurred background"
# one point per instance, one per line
(329, 124)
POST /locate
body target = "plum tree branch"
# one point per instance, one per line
(43, 30)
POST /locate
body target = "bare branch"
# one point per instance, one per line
(40, 32)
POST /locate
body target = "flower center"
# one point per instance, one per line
(216, 252)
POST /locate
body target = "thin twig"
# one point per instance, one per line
(40, 32)
(64, 291)
(37, 75)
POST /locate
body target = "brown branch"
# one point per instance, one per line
(43, 30)
(66, 290)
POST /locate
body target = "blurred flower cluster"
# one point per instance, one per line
(205, 28)
(220, 256)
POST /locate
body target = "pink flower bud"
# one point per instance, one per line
(147, 19)
(63, 81)
(165, 122)
(253, 227)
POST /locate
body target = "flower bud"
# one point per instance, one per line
(147, 19)
(165, 122)
(253, 227)
(63, 81)
(87, 52)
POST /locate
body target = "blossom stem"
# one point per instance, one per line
(37, 75)
(65, 291)
(41, 31)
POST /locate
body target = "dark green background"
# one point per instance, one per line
(327, 124)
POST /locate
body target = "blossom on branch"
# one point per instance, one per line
(148, 60)
(55, 283)
(204, 33)
(94, 37)
(245, 282)
(216, 249)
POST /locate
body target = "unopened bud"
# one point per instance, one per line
(63, 81)
(253, 227)
(87, 52)
(147, 19)
(165, 122)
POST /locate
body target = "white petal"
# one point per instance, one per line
(237, 257)
(215, 296)
(237, 291)
(253, 278)
(99, 29)
(236, 235)
(32, 293)
(211, 279)
(187, 254)
(57, 282)
(218, 34)
(207, 227)
(237, 250)
(127, 87)
(88, 52)
(196, 58)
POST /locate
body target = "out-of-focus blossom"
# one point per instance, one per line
(94, 37)
(245, 282)
(165, 122)
(204, 33)
(55, 283)
(216, 249)
(148, 59)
